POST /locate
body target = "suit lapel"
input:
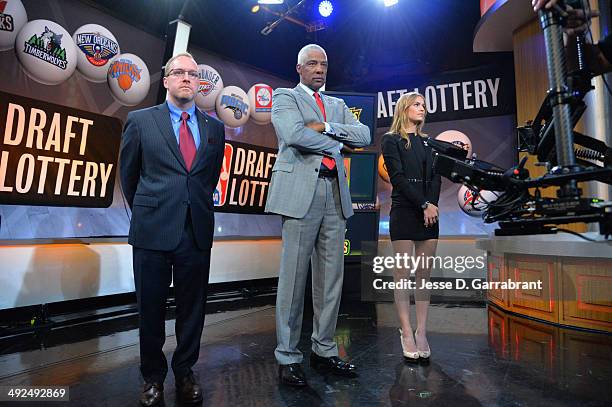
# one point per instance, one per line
(329, 107)
(204, 134)
(310, 101)
(162, 118)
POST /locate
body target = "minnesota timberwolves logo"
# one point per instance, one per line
(97, 48)
(47, 47)
(6, 20)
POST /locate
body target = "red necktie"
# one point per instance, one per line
(328, 162)
(186, 142)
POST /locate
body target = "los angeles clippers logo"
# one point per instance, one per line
(220, 194)
(469, 198)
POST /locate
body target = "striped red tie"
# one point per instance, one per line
(328, 162)
(186, 141)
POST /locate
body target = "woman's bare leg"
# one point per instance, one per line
(425, 248)
(402, 297)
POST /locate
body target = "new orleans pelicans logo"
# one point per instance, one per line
(6, 20)
(220, 194)
(97, 48)
(126, 72)
(47, 47)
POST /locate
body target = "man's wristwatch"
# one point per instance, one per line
(424, 206)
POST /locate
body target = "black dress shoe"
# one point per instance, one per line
(332, 364)
(292, 375)
(152, 394)
(188, 390)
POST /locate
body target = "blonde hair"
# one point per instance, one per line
(168, 66)
(400, 116)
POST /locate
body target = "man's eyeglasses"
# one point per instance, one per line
(179, 73)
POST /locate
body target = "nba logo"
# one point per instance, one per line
(220, 194)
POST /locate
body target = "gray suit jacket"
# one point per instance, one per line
(300, 149)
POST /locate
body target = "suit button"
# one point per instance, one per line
(316, 170)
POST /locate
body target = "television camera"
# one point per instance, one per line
(569, 156)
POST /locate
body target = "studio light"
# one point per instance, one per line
(325, 8)
(389, 3)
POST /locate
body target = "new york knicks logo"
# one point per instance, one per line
(6, 20)
(97, 48)
(220, 194)
(47, 47)
(263, 98)
(125, 71)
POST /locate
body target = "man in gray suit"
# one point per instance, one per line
(309, 189)
(170, 159)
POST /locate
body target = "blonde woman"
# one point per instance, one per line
(413, 224)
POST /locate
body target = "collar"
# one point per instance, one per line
(309, 91)
(175, 112)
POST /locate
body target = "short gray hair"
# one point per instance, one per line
(171, 60)
(304, 51)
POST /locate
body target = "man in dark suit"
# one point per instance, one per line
(170, 163)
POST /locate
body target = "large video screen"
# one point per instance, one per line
(361, 171)
(363, 107)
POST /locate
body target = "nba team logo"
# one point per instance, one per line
(220, 194)
(469, 199)
(209, 87)
(125, 71)
(47, 47)
(356, 112)
(236, 104)
(263, 98)
(205, 87)
(98, 49)
(232, 106)
(208, 81)
(6, 20)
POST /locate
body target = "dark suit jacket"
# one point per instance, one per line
(157, 185)
(411, 172)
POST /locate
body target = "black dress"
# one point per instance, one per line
(411, 173)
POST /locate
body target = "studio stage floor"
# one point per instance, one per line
(476, 361)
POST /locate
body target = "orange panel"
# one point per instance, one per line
(485, 5)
